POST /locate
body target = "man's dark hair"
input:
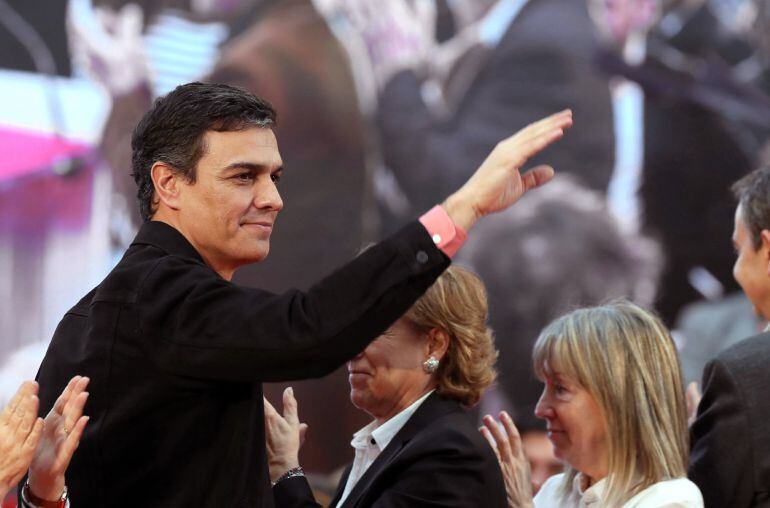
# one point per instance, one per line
(753, 194)
(172, 130)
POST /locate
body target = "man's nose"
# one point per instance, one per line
(266, 196)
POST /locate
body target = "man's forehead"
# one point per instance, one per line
(260, 136)
(257, 145)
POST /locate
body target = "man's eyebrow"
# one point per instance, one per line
(252, 166)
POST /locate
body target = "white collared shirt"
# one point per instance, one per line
(372, 439)
(677, 493)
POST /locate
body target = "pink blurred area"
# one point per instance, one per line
(26, 151)
(33, 197)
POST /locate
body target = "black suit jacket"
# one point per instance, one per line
(730, 457)
(438, 458)
(176, 355)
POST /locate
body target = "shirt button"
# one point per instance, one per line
(437, 238)
(422, 257)
(373, 441)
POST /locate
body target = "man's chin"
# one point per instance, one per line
(258, 252)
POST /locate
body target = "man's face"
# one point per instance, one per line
(229, 211)
(751, 267)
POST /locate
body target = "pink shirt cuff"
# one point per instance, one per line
(447, 235)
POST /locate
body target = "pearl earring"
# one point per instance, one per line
(430, 365)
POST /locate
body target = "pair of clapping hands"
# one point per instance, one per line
(44, 447)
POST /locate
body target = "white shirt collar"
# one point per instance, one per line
(384, 434)
(371, 440)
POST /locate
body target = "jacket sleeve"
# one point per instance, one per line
(720, 458)
(294, 493)
(209, 328)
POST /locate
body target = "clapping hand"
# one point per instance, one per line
(507, 446)
(285, 435)
(64, 426)
(20, 432)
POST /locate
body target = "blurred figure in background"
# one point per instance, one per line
(562, 249)
(690, 120)
(706, 328)
(450, 77)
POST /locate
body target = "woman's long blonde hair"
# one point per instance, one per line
(625, 358)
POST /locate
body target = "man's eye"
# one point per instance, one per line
(275, 177)
(244, 177)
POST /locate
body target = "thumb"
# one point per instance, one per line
(536, 177)
(302, 433)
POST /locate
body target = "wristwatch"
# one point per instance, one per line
(32, 501)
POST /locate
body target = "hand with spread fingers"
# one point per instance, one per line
(20, 432)
(510, 454)
(498, 182)
(64, 426)
(284, 435)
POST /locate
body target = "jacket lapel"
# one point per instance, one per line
(434, 407)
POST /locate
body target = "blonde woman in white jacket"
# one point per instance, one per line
(616, 414)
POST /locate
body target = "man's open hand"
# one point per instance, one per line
(498, 182)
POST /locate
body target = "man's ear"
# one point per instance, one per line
(438, 342)
(166, 181)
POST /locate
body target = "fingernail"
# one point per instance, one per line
(290, 390)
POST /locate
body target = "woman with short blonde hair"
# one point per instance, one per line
(615, 408)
